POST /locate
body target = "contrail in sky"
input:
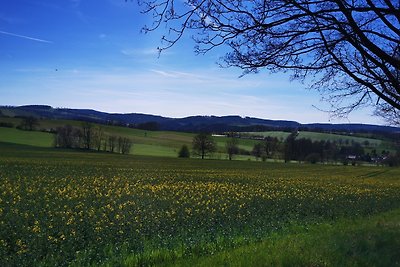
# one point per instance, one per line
(26, 37)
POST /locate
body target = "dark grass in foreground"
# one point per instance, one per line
(373, 241)
(368, 241)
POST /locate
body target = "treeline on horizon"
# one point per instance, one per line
(195, 124)
(93, 137)
(218, 129)
(293, 149)
(307, 150)
(223, 128)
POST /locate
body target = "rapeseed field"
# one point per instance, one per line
(64, 208)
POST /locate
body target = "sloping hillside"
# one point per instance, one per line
(188, 124)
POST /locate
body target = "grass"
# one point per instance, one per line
(79, 208)
(146, 143)
(154, 150)
(368, 241)
(67, 207)
(336, 137)
(367, 142)
(155, 143)
(31, 138)
(278, 134)
(315, 136)
(167, 143)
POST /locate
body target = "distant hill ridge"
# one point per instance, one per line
(191, 124)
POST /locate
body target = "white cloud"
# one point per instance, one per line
(177, 74)
(26, 37)
(165, 74)
(172, 93)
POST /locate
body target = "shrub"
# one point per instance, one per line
(184, 152)
(392, 161)
(313, 158)
(6, 124)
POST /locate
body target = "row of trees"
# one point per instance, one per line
(303, 150)
(320, 151)
(28, 123)
(306, 150)
(91, 137)
(202, 146)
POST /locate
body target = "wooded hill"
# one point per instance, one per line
(187, 124)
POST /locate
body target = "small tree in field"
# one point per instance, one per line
(98, 137)
(112, 143)
(257, 150)
(65, 137)
(203, 145)
(29, 123)
(184, 152)
(232, 147)
(125, 145)
(87, 131)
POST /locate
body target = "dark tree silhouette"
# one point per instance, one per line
(271, 145)
(90, 137)
(349, 49)
(289, 149)
(98, 137)
(267, 148)
(87, 135)
(29, 123)
(65, 137)
(258, 150)
(232, 147)
(203, 145)
(184, 152)
(124, 145)
(112, 143)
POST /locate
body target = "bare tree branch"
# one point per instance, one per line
(350, 48)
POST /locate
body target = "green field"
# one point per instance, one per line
(39, 139)
(168, 143)
(368, 142)
(64, 207)
(145, 143)
(315, 136)
(374, 241)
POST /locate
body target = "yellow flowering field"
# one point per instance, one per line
(60, 208)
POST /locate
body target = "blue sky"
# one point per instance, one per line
(91, 54)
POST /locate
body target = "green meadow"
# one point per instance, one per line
(147, 143)
(315, 136)
(32, 138)
(62, 207)
(168, 143)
